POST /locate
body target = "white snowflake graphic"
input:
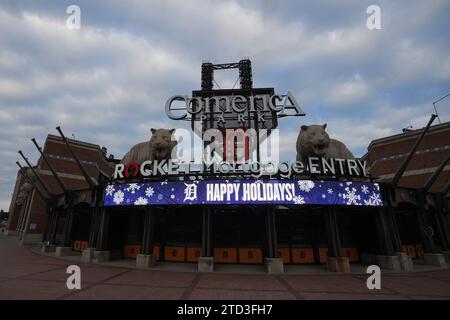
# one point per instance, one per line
(118, 197)
(330, 191)
(351, 196)
(298, 200)
(172, 196)
(340, 195)
(323, 196)
(306, 185)
(348, 183)
(149, 191)
(163, 182)
(132, 187)
(377, 186)
(341, 184)
(109, 190)
(141, 201)
(374, 200)
(365, 189)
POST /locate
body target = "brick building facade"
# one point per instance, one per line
(29, 219)
(385, 156)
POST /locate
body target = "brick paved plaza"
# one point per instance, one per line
(28, 275)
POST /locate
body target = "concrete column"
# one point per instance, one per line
(384, 238)
(206, 261)
(424, 225)
(334, 244)
(205, 264)
(207, 250)
(406, 262)
(335, 262)
(387, 259)
(102, 238)
(271, 233)
(87, 255)
(272, 263)
(389, 262)
(46, 245)
(48, 248)
(446, 255)
(392, 225)
(63, 251)
(68, 227)
(94, 227)
(47, 231)
(101, 254)
(338, 264)
(435, 259)
(149, 231)
(54, 227)
(146, 259)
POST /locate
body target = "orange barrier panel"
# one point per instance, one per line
(410, 250)
(174, 254)
(284, 254)
(193, 254)
(225, 255)
(156, 251)
(302, 255)
(323, 255)
(131, 251)
(77, 245)
(250, 255)
(84, 245)
(419, 250)
(351, 253)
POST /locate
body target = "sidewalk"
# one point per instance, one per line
(28, 275)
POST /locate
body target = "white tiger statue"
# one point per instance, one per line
(159, 147)
(314, 141)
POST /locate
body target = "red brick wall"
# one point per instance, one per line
(437, 137)
(68, 171)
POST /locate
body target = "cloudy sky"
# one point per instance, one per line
(107, 82)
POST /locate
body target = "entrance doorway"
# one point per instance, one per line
(238, 235)
(301, 235)
(408, 228)
(82, 222)
(178, 234)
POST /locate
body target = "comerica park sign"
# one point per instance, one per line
(284, 169)
(256, 105)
